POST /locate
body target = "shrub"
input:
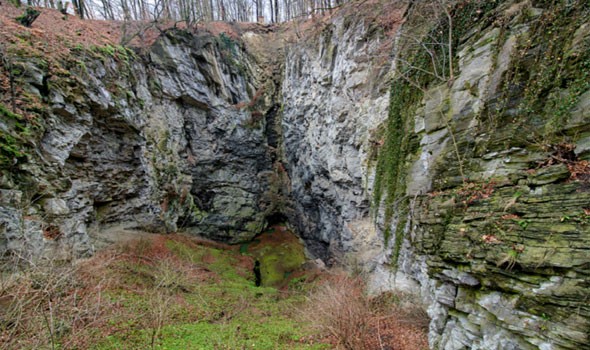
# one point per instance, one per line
(340, 308)
(27, 18)
(47, 302)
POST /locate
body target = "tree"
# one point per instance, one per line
(190, 11)
(80, 8)
(427, 54)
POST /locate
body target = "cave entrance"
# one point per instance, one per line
(275, 219)
(257, 274)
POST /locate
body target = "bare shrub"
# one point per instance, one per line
(340, 308)
(402, 307)
(169, 277)
(45, 304)
(159, 303)
(350, 319)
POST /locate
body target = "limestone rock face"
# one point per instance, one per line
(334, 96)
(175, 140)
(498, 233)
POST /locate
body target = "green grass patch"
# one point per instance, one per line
(203, 297)
(279, 253)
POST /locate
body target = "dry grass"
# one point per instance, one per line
(348, 318)
(54, 304)
(47, 299)
(138, 289)
(340, 308)
(139, 284)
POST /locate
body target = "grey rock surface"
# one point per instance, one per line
(334, 96)
(172, 141)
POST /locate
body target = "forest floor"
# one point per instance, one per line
(55, 34)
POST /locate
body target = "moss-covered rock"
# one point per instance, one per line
(497, 191)
(279, 254)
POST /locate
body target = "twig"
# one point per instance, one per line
(379, 334)
(459, 158)
(49, 324)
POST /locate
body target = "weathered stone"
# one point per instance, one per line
(332, 99)
(507, 236)
(55, 206)
(460, 277)
(167, 150)
(550, 174)
(10, 198)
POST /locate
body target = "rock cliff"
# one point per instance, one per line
(171, 140)
(469, 188)
(480, 187)
(485, 203)
(335, 95)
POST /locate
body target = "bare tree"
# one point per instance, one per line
(429, 53)
(190, 11)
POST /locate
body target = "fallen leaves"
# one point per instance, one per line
(490, 239)
(579, 170)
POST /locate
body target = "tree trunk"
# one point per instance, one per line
(27, 18)
(271, 12)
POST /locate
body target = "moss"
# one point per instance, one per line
(5, 112)
(228, 48)
(389, 186)
(227, 43)
(280, 254)
(118, 52)
(405, 96)
(9, 150)
(12, 141)
(545, 79)
(123, 56)
(390, 161)
(399, 231)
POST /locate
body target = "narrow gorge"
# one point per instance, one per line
(468, 188)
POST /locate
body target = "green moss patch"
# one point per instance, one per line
(175, 292)
(279, 253)
(12, 137)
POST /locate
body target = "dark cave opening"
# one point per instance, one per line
(257, 275)
(276, 218)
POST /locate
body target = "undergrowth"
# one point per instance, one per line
(167, 292)
(175, 292)
(349, 318)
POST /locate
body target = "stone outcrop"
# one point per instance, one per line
(175, 140)
(488, 215)
(495, 177)
(335, 94)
